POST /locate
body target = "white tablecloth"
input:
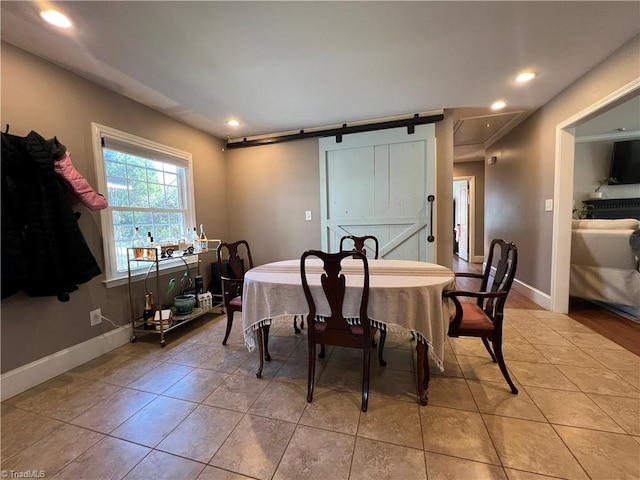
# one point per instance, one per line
(404, 296)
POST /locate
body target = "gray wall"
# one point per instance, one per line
(518, 184)
(475, 169)
(592, 162)
(37, 95)
(270, 187)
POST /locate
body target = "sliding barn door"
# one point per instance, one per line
(378, 183)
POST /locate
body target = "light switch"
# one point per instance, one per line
(307, 215)
(548, 205)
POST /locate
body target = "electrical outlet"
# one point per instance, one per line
(548, 205)
(95, 316)
(307, 215)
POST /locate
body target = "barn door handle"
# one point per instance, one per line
(431, 238)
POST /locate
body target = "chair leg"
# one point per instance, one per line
(265, 330)
(383, 338)
(488, 347)
(312, 371)
(229, 325)
(497, 346)
(295, 324)
(365, 378)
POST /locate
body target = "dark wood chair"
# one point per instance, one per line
(360, 243)
(357, 243)
(231, 264)
(335, 329)
(483, 317)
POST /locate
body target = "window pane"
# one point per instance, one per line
(172, 199)
(146, 193)
(137, 173)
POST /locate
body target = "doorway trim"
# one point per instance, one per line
(472, 218)
(563, 194)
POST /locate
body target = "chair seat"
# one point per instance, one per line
(356, 330)
(236, 302)
(474, 319)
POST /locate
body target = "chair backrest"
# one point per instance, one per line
(359, 243)
(235, 255)
(334, 287)
(499, 273)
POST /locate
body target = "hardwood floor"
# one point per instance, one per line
(616, 328)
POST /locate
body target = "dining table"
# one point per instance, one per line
(405, 296)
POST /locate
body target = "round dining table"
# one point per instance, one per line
(404, 296)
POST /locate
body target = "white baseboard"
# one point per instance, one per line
(23, 378)
(536, 296)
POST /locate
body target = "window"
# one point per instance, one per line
(148, 186)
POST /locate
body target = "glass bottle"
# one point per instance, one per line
(152, 248)
(137, 242)
(195, 241)
(204, 242)
(147, 313)
(152, 302)
(136, 239)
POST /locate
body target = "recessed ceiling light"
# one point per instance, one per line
(498, 105)
(525, 77)
(56, 18)
(233, 123)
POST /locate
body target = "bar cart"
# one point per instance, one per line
(166, 318)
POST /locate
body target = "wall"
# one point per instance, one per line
(271, 186)
(592, 162)
(475, 169)
(37, 95)
(517, 186)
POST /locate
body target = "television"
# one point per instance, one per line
(625, 162)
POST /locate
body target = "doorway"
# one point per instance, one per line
(464, 223)
(461, 218)
(563, 193)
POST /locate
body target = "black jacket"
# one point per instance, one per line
(43, 250)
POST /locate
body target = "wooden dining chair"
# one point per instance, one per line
(360, 244)
(335, 329)
(483, 317)
(231, 264)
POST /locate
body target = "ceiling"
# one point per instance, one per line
(286, 66)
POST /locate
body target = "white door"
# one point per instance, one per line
(380, 183)
(461, 192)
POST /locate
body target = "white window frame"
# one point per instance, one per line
(98, 132)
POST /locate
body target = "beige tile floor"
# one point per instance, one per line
(195, 410)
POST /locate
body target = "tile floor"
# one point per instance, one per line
(195, 410)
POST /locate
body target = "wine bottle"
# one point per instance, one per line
(147, 313)
(152, 302)
(204, 242)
